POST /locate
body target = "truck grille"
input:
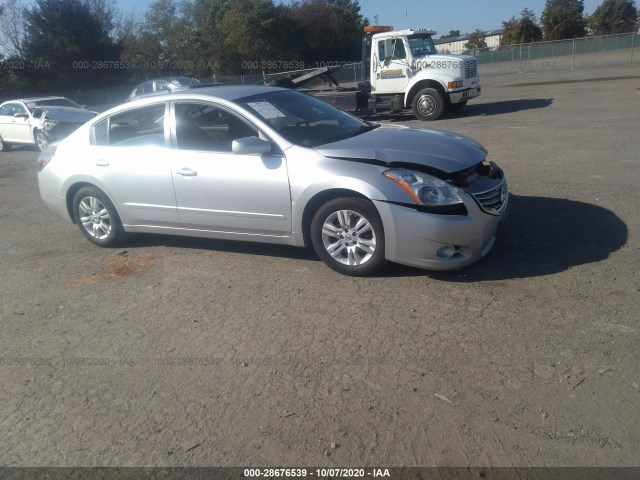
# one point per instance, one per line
(470, 68)
(493, 201)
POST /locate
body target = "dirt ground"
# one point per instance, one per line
(180, 352)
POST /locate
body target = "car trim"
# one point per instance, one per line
(232, 213)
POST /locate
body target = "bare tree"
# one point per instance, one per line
(12, 32)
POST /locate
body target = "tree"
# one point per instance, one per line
(452, 33)
(563, 19)
(331, 30)
(259, 33)
(476, 40)
(12, 28)
(614, 16)
(522, 30)
(67, 36)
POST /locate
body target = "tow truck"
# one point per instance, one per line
(401, 70)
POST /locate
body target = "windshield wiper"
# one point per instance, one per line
(364, 129)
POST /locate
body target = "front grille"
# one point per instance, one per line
(470, 68)
(493, 201)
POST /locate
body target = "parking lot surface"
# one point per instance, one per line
(188, 352)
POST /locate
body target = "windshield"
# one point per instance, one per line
(303, 119)
(52, 102)
(421, 45)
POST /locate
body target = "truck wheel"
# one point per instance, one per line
(347, 234)
(428, 104)
(455, 107)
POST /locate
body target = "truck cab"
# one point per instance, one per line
(404, 70)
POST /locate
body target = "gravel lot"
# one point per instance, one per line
(529, 358)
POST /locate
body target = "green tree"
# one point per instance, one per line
(60, 36)
(258, 33)
(521, 30)
(331, 30)
(614, 16)
(452, 33)
(476, 40)
(563, 19)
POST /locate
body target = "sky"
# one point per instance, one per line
(441, 15)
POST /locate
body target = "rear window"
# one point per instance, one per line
(134, 128)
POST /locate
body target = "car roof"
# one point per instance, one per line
(227, 92)
(34, 99)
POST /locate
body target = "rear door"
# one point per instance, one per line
(131, 162)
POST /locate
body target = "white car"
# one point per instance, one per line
(39, 121)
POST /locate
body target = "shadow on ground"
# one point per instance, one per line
(542, 236)
(474, 110)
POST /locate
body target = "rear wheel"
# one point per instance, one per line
(428, 104)
(97, 217)
(348, 236)
(3, 146)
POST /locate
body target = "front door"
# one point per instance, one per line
(391, 68)
(217, 190)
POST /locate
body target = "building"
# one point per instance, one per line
(457, 44)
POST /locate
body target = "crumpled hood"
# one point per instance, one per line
(445, 151)
(68, 114)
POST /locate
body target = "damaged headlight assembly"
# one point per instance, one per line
(429, 193)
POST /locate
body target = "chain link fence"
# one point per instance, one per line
(590, 52)
(576, 53)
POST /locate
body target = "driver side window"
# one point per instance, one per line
(205, 127)
(398, 51)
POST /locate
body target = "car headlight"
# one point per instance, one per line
(425, 189)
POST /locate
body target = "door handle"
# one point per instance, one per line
(187, 172)
(102, 163)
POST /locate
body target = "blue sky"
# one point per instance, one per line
(463, 15)
(440, 15)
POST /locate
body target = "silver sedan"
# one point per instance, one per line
(274, 165)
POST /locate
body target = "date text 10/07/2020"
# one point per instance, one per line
(317, 472)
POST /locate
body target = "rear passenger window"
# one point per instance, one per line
(135, 128)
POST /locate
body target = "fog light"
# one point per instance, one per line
(447, 252)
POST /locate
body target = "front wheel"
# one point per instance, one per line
(42, 142)
(348, 236)
(97, 217)
(3, 146)
(428, 104)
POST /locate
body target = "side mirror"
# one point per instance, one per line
(20, 115)
(250, 146)
(388, 48)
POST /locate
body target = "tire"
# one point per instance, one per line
(96, 217)
(4, 147)
(428, 104)
(42, 142)
(456, 107)
(347, 234)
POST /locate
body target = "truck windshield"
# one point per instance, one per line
(421, 45)
(303, 119)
